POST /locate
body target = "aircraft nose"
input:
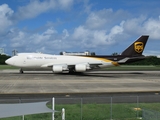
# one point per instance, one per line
(9, 62)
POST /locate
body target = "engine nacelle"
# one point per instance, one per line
(57, 69)
(80, 68)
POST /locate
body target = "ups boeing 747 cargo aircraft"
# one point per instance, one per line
(61, 63)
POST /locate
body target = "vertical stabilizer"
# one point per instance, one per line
(136, 48)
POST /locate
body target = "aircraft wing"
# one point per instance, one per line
(71, 64)
(78, 67)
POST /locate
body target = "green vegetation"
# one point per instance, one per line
(152, 60)
(3, 67)
(3, 58)
(120, 111)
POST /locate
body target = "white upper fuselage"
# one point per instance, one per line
(38, 60)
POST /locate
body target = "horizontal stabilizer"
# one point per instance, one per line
(124, 60)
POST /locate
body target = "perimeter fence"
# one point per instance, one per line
(150, 114)
(100, 108)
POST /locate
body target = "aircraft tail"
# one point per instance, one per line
(136, 48)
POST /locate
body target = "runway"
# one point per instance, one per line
(96, 82)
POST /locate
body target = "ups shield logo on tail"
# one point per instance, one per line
(138, 47)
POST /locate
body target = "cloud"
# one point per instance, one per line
(105, 18)
(45, 42)
(41, 39)
(115, 32)
(83, 37)
(87, 6)
(134, 25)
(93, 38)
(94, 29)
(151, 53)
(65, 4)
(97, 30)
(36, 7)
(152, 27)
(5, 14)
(65, 34)
(17, 38)
(49, 31)
(143, 25)
(95, 21)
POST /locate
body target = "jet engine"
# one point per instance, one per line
(59, 68)
(80, 68)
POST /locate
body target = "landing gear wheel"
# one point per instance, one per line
(21, 71)
(71, 71)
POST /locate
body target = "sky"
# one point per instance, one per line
(100, 26)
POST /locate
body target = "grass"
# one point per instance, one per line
(4, 67)
(120, 111)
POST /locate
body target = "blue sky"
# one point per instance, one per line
(100, 26)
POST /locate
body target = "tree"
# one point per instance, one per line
(151, 60)
(3, 58)
(115, 53)
(61, 53)
(93, 53)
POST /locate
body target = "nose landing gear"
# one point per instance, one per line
(21, 71)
